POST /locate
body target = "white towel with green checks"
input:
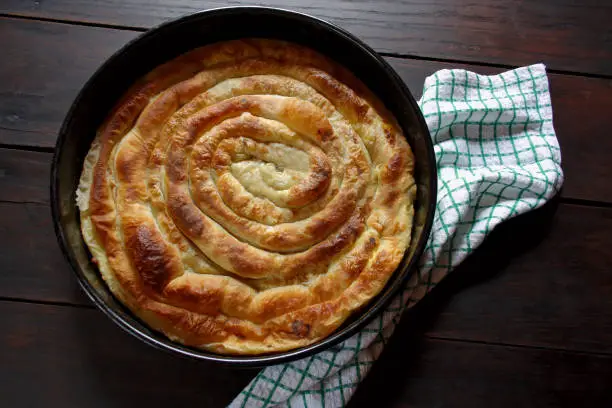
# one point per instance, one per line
(497, 157)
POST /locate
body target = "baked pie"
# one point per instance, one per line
(247, 197)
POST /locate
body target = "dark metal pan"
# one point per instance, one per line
(173, 38)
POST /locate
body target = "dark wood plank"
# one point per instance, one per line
(49, 63)
(415, 371)
(76, 357)
(24, 176)
(564, 34)
(44, 66)
(539, 280)
(31, 262)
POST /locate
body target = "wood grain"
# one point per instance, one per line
(539, 280)
(49, 63)
(38, 87)
(24, 176)
(415, 371)
(31, 262)
(564, 34)
(75, 357)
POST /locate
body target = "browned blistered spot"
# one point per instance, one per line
(367, 207)
(324, 133)
(221, 160)
(300, 329)
(186, 216)
(382, 266)
(201, 157)
(99, 192)
(125, 167)
(346, 236)
(314, 186)
(319, 227)
(280, 240)
(200, 298)
(176, 165)
(370, 244)
(334, 90)
(391, 197)
(394, 169)
(242, 263)
(127, 110)
(150, 257)
(354, 267)
(389, 135)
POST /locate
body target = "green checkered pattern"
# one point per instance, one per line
(497, 157)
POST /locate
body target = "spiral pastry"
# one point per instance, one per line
(247, 197)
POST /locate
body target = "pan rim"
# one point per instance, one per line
(367, 314)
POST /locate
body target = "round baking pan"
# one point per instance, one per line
(173, 38)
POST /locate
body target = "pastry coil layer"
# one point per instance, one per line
(247, 197)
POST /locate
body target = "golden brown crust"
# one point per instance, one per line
(247, 197)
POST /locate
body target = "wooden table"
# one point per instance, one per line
(526, 321)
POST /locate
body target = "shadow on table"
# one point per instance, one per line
(402, 356)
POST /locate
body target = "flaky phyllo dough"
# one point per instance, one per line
(247, 197)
